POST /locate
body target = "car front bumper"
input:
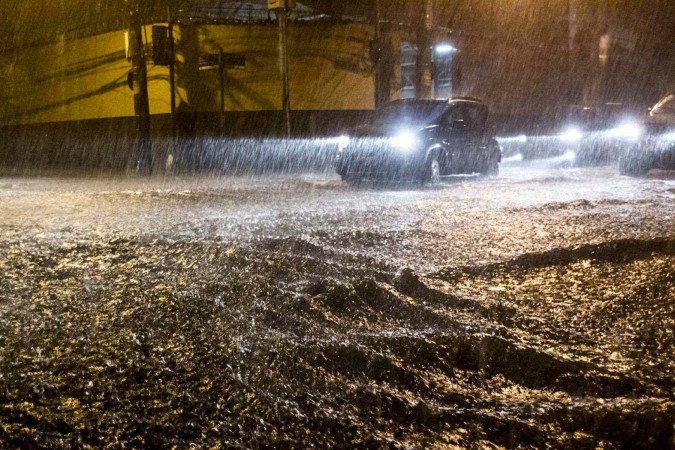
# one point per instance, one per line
(379, 162)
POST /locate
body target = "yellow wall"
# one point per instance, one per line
(329, 68)
(73, 80)
(86, 78)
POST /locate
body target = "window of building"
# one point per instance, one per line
(443, 58)
(444, 72)
(409, 54)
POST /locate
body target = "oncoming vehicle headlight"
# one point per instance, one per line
(343, 142)
(626, 131)
(569, 156)
(572, 134)
(405, 141)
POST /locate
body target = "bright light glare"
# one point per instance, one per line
(572, 134)
(515, 158)
(670, 137)
(522, 139)
(626, 131)
(569, 156)
(445, 49)
(343, 142)
(405, 140)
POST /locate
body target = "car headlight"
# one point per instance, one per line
(572, 134)
(569, 156)
(405, 141)
(343, 142)
(626, 131)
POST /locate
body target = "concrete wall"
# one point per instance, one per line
(73, 80)
(86, 78)
(329, 67)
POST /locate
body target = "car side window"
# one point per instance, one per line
(456, 118)
(466, 117)
(476, 116)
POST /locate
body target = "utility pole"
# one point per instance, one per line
(381, 56)
(221, 64)
(172, 73)
(282, 14)
(282, 9)
(140, 88)
(377, 52)
(425, 41)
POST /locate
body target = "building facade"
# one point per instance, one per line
(68, 61)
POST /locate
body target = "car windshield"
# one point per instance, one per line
(409, 113)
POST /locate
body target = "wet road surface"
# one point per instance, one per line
(319, 208)
(536, 308)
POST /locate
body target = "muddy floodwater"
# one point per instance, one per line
(532, 310)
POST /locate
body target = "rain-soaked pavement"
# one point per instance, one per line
(536, 309)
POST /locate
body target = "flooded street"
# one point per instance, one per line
(537, 309)
(194, 253)
(465, 220)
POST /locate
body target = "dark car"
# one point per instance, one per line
(655, 149)
(421, 140)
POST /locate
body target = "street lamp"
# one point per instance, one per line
(444, 49)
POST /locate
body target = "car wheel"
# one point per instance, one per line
(492, 169)
(351, 180)
(633, 167)
(432, 170)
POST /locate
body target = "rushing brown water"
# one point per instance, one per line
(533, 310)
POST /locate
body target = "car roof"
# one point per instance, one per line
(440, 102)
(466, 99)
